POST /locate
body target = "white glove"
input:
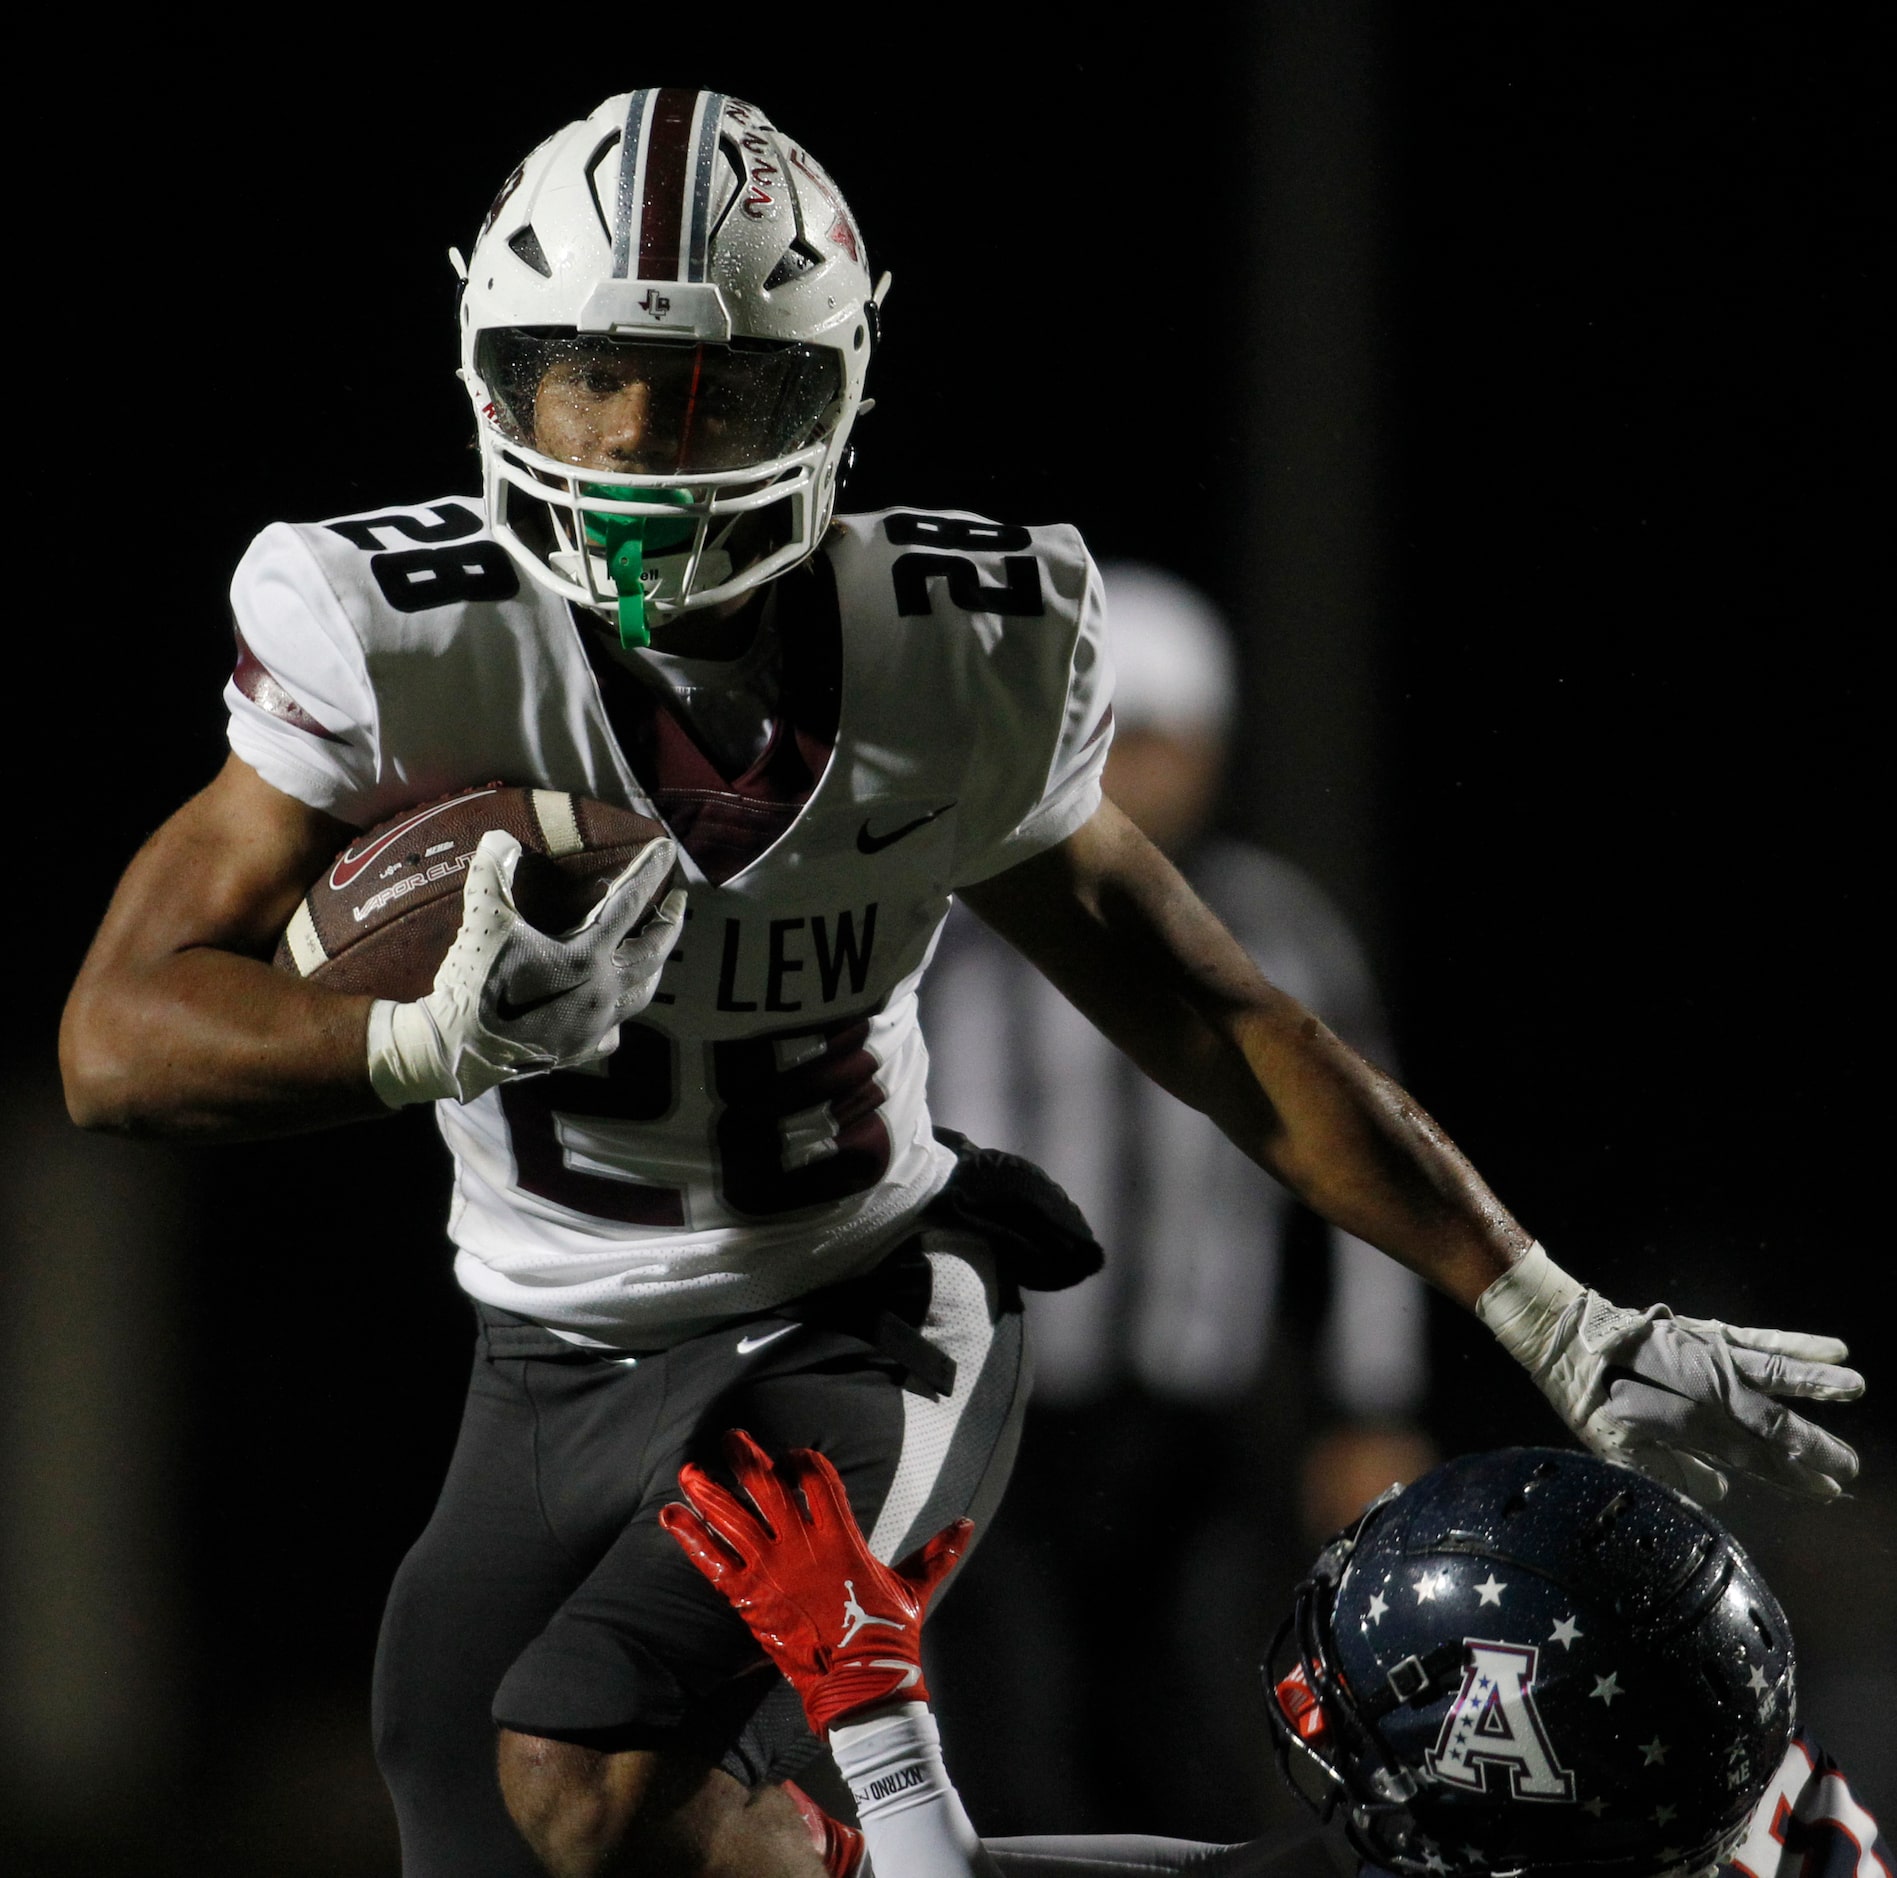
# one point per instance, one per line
(510, 999)
(1680, 1398)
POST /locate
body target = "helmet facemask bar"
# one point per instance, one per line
(556, 537)
(1384, 1797)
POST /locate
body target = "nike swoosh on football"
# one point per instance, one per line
(747, 1344)
(866, 843)
(507, 1010)
(351, 862)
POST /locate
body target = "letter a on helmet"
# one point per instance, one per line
(1619, 1717)
(1493, 1722)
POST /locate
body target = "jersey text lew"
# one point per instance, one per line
(790, 964)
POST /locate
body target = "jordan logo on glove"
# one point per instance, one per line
(855, 1618)
(782, 1547)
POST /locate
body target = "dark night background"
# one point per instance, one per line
(1618, 728)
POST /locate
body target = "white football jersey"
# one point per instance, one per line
(762, 1128)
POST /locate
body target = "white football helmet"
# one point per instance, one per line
(665, 328)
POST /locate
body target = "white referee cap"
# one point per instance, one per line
(1173, 664)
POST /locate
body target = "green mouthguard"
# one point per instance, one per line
(625, 541)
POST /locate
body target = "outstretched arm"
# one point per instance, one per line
(1109, 920)
(1111, 923)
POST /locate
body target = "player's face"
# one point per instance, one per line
(664, 410)
(596, 411)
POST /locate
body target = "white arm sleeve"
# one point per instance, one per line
(912, 1817)
(914, 1825)
(1129, 1855)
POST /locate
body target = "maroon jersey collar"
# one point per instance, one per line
(726, 822)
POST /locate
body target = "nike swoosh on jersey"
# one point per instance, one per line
(747, 1344)
(866, 843)
(507, 1010)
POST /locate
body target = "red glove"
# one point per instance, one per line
(845, 1628)
(839, 1846)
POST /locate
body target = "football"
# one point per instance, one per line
(381, 918)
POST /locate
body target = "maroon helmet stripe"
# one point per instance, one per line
(669, 175)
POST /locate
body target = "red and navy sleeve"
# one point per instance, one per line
(1810, 1824)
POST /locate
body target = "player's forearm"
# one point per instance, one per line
(1356, 1147)
(1110, 922)
(1347, 1140)
(207, 1043)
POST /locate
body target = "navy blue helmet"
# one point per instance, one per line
(1534, 1660)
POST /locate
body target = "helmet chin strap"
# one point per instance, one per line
(625, 541)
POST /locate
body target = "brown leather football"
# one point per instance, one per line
(383, 916)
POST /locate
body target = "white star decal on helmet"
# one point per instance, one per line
(1565, 1632)
(1490, 1590)
(1606, 1688)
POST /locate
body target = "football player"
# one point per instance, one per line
(695, 1178)
(1529, 1661)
